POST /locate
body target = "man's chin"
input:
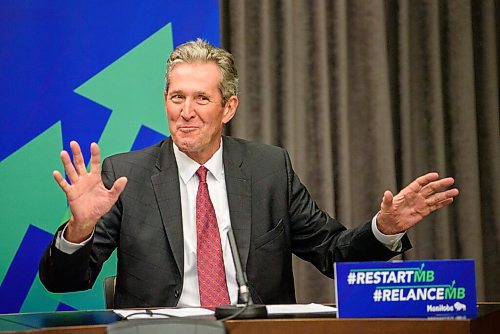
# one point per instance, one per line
(186, 146)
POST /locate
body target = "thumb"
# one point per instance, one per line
(386, 200)
(118, 186)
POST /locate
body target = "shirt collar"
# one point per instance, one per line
(187, 167)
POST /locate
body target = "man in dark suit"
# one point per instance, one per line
(150, 205)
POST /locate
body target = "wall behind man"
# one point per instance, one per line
(368, 95)
(76, 70)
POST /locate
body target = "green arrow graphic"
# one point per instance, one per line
(29, 195)
(132, 87)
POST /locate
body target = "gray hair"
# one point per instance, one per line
(201, 51)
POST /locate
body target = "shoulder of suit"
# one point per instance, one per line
(255, 157)
(253, 147)
(147, 154)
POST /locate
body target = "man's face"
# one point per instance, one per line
(194, 108)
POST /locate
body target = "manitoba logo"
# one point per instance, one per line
(460, 307)
(440, 308)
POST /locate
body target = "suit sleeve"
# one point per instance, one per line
(318, 238)
(61, 272)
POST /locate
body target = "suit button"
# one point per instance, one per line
(176, 293)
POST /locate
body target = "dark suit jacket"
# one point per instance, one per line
(271, 212)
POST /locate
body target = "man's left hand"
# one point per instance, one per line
(424, 195)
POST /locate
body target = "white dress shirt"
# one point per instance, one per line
(216, 181)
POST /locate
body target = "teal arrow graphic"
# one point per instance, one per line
(132, 87)
(29, 194)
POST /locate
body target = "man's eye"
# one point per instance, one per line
(202, 99)
(176, 98)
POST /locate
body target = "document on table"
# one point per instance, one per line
(164, 313)
(300, 309)
(197, 311)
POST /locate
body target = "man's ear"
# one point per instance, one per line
(230, 109)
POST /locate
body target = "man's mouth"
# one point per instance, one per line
(187, 128)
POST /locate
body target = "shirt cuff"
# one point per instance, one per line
(66, 246)
(391, 241)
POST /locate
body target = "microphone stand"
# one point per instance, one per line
(248, 309)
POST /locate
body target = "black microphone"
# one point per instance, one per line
(241, 276)
(248, 309)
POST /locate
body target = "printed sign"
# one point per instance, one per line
(431, 288)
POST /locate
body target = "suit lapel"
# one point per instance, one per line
(167, 192)
(239, 192)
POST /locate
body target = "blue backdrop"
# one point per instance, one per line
(76, 70)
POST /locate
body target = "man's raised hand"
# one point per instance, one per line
(424, 195)
(87, 196)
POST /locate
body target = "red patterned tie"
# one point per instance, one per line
(211, 272)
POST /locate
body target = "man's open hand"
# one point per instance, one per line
(87, 196)
(424, 195)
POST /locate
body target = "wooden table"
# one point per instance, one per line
(95, 322)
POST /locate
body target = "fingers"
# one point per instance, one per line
(441, 197)
(78, 160)
(118, 187)
(68, 167)
(429, 184)
(433, 187)
(422, 181)
(387, 200)
(61, 181)
(77, 167)
(95, 159)
(441, 204)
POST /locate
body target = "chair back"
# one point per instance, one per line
(109, 291)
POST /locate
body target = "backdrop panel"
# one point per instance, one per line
(76, 70)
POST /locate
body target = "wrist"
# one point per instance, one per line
(381, 226)
(77, 232)
(387, 225)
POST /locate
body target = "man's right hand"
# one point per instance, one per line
(87, 196)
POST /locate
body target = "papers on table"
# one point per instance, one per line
(196, 311)
(164, 313)
(300, 309)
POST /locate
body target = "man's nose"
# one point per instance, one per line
(187, 111)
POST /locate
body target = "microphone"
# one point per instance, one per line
(248, 309)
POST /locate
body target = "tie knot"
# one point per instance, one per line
(202, 173)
